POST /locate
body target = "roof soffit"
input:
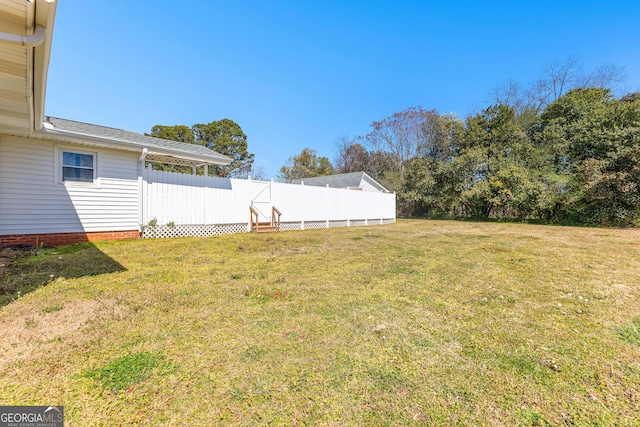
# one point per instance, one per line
(24, 64)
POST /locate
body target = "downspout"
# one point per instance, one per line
(33, 40)
(141, 188)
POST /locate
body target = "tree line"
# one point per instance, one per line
(563, 150)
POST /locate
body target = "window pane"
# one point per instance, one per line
(86, 160)
(76, 174)
(77, 167)
(77, 159)
(70, 159)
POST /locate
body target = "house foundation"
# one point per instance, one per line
(63, 239)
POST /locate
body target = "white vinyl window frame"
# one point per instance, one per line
(74, 167)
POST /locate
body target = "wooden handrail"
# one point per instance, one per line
(255, 224)
(252, 212)
(275, 223)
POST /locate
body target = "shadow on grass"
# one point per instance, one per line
(30, 269)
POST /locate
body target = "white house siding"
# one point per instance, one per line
(32, 201)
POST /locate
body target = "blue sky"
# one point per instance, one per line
(296, 74)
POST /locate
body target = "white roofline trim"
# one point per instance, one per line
(83, 138)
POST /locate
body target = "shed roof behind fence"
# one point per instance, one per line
(343, 180)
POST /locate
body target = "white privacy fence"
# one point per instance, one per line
(176, 204)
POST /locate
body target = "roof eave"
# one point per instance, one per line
(98, 141)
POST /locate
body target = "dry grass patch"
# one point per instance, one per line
(29, 333)
(417, 323)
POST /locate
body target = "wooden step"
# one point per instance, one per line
(265, 227)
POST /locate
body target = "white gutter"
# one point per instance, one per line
(33, 40)
(144, 153)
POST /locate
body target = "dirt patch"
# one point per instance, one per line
(11, 251)
(28, 331)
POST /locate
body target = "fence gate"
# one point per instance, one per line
(261, 201)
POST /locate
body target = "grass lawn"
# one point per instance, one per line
(415, 323)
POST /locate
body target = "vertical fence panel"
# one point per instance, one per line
(185, 199)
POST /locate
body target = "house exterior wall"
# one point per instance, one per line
(33, 201)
